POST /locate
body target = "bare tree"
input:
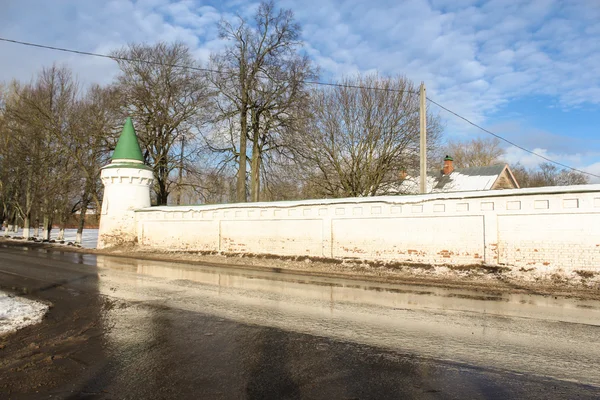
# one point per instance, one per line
(260, 79)
(166, 96)
(213, 186)
(477, 152)
(569, 177)
(53, 145)
(281, 177)
(547, 174)
(361, 136)
(25, 144)
(94, 127)
(40, 115)
(9, 178)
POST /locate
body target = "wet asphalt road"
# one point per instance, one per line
(124, 328)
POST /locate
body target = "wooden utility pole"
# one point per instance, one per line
(423, 148)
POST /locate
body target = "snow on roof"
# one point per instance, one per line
(411, 184)
(459, 180)
(470, 179)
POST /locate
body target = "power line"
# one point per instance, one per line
(115, 58)
(509, 142)
(359, 87)
(126, 59)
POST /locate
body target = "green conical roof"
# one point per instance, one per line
(128, 147)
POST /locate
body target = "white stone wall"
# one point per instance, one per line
(542, 228)
(125, 190)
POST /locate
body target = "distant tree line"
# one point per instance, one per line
(247, 126)
(481, 152)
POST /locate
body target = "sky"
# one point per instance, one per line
(526, 70)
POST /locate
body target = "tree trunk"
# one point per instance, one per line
(180, 177)
(241, 178)
(162, 197)
(255, 159)
(47, 227)
(255, 175)
(36, 229)
(15, 223)
(62, 224)
(61, 233)
(8, 223)
(84, 206)
(26, 223)
(28, 203)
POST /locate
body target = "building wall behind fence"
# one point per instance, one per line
(544, 228)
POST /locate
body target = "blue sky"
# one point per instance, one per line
(527, 70)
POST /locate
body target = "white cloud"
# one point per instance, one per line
(593, 169)
(515, 155)
(472, 58)
(99, 27)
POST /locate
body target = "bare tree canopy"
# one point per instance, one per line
(94, 126)
(477, 152)
(359, 140)
(51, 150)
(547, 174)
(260, 81)
(43, 115)
(166, 102)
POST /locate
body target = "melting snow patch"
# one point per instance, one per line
(17, 312)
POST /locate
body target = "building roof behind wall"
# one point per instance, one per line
(468, 179)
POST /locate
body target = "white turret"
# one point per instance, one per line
(127, 182)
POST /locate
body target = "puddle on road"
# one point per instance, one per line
(152, 298)
(343, 291)
(340, 291)
(534, 334)
(56, 254)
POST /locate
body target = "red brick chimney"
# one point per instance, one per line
(448, 165)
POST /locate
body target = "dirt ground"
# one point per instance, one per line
(41, 359)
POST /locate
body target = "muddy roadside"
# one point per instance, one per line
(581, 284)
(54, 358)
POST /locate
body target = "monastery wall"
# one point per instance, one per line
(555, 227)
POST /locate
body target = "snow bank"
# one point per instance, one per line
(88, 240)
(17, 313)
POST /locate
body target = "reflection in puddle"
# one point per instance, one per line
(519, 332)
(340, 291)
